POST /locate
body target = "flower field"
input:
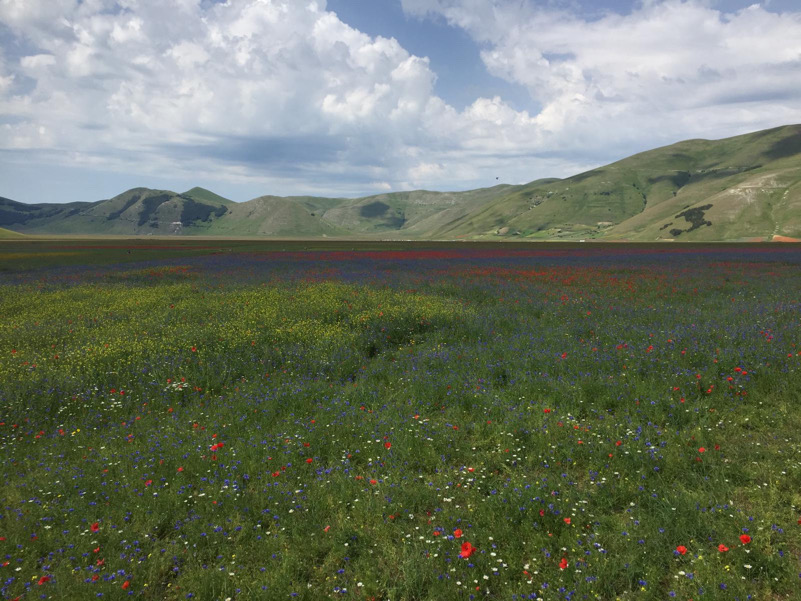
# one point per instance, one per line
(419, 423)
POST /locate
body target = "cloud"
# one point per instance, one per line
(252, 88)
(283, 93)
(670, 69)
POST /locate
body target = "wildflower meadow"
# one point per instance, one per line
(226, 421)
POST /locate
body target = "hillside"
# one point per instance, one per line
(9, 235)
(738, 188)
(742, 188)
(139, 211)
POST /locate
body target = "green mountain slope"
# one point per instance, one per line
(408, 214)
(207, 196)
(136, 211)
(751, 182)
(741, 188)
(275, 216)
(9, 235)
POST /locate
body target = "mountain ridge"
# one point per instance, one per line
(740, 188)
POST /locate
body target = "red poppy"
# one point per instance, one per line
(374, 482)
(126, 584)
(681, 549)
(95, 527)
(618, 443)
(43, 579)
(387, 445)
(457, 533)
(309, 460)
(563, 564)
(467, 550)
(180, 469)
(567, 521)
(702, 450)
(722, 548)
(745, 539)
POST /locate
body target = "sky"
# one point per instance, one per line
(359, 97)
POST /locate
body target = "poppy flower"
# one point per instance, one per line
(309, 460)
(126, 584)
(681, 549)
(567, 521)
(95, 527)
(457, 533)
(563, 564)
(467, 550)
(722, 548)
(702, 450)
(180, 469)
(43, 579)
(745, 539)
(373, 482)
(387, 445)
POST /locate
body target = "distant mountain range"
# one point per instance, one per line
(742, 188)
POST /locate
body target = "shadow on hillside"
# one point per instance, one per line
(787, 147)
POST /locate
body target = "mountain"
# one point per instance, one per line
(741, 188)
(137, 211)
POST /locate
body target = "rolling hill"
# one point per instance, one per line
(9, 235)
(742, 188)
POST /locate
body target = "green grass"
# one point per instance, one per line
(207, 196)
(8, 234)
(244, 428)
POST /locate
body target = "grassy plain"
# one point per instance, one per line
(249, 420)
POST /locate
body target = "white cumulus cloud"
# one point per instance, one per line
(670, 69)
(283, 93)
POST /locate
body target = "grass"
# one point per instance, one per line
(240, 422)
(8, 234)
